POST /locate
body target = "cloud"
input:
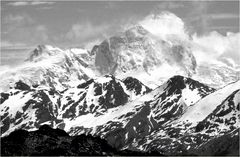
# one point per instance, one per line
(18, 3)
(85, 31)
(202, 18)
(223, 29)
(31, 3)
(111, 5)
(214, 46)
(17, 20)
(90, 44)
(197, 19)
(168, 5)
(222, 16)
(11, 45)
(41, 31)
(205, 19)
(39, 3)
(13, 53)
(22, 27)
(10, 18)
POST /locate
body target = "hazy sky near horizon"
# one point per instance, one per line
(72, 24)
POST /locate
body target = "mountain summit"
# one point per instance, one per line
(43, 51)
(137, 49)
(50, 66)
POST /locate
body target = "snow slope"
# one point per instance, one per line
(205, 106)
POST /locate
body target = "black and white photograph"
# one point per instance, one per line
(120, 78)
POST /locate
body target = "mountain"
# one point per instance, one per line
(149, 120)
(208, 104)
(225, 117)
(138, 119)
(96, 96)
(133, 53)
(138, 51)
(51, 67)
(140, 91)
(184, 135)
(151, 53)
(155, 121)
(29, 107)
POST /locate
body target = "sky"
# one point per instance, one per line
(26, 24)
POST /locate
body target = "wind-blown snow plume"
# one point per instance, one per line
(165, 25)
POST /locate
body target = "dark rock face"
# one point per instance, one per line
(22, 86)
(37, 52)
(85, 84)
(135, 85)
(114, 90)
(179, 54)
(3, 97)
(47, 142)
(108, 95)
(180, 82)
(226, 145)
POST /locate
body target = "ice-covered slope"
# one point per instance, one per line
(52, 67)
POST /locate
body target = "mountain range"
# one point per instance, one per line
(135, 92)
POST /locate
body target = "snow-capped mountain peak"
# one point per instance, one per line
(137, 50)
(51, 66)
(42, 52)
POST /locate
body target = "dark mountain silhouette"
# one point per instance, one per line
(47, 142)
